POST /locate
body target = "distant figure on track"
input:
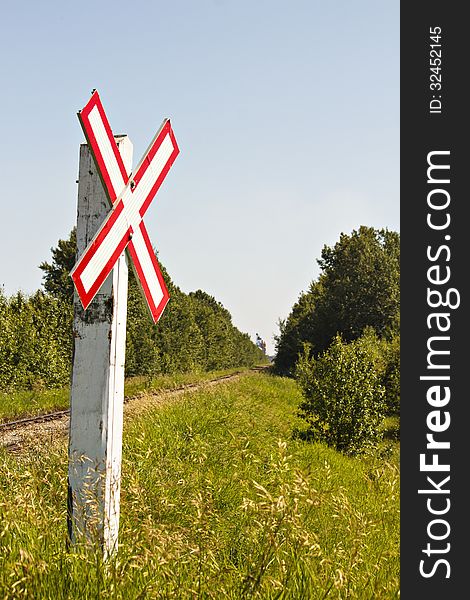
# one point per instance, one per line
(261, 343)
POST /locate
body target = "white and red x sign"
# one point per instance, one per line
(130, 196)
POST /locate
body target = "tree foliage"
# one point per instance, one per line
(56, 276)
(195, 332)
(358, 287)
(391, 373)
(35, 341)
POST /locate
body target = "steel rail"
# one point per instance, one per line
(59, 414)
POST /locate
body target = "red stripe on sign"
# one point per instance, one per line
(76, 273)
(87, 297)
(153, 149)
(166, 296)
(84, 118)
(155, 311)
(101, 278)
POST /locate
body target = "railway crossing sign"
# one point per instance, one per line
(130, 197)
(112, 202)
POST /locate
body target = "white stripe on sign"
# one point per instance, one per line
(147, 267)
(152, 173)
(106, 149)
(104, 252)
(130, 216)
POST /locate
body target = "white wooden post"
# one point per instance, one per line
(97, 388)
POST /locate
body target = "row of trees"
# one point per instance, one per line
(35, 341)
(194, 333)
(342, 341)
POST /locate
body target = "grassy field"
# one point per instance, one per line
(219, 500)
(37, 401)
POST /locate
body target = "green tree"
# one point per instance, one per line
(297, 330)
(358, 287)
(141, 352)
(56, 276)
(215, 324)
(35, 341)
(361, 284)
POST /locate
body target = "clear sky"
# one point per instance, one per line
(286, 114)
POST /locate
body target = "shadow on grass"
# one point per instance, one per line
(391, 429)
(306, 435)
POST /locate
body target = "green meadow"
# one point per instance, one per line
(220, 499)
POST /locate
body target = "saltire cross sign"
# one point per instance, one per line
(130, 197)
(112, 202)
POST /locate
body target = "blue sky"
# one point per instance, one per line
(286, 114)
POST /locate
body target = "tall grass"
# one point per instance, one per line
(218, 501)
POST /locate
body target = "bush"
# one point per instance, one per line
(391, 377)
(344, 398)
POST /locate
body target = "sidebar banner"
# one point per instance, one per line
(435, 352)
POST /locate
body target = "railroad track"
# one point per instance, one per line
(60, 414)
